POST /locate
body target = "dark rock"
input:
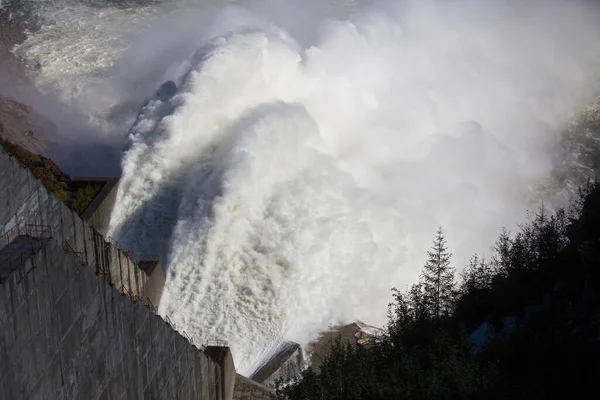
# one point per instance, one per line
(20, 125)
(42, 168)
(348, 334)
(166, 90)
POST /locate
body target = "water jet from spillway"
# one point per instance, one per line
(301, 167)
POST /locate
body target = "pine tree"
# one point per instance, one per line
(501, 259)
(477, 275)
(438, 278)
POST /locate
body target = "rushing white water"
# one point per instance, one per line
(301, 170)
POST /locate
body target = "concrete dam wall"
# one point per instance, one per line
(78, 313)
(66, 334)
(68, 326)
(25, 201)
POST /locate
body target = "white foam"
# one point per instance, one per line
(289, 188)
(304, 165)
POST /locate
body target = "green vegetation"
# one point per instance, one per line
(41, 167)
(437, 288)
(53, 179)
(83, 195)
(524, 324)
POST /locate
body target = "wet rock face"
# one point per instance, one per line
(42, 168)
(18, 125)
(368, 334)
(356, 333)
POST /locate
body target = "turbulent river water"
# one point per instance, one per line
(311, 149)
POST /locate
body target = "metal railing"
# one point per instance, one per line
(77, 254)
(133, 297)
(144, 257)
(152, 307)
(135, 258)
(114, 242)
(39, 231)
(9, 236)
(45, 231)
(168, 321)
(181, 332)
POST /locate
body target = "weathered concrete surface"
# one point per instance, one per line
(98, 212)
(24, 200)
(18, 125)
(247, 389)
(16, 252)
(98, 216)
(66, 328)
(222, 356)
(287, 362)
(154, 286)
(66, 334)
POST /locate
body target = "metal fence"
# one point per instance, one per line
(45, 232)
(134, 257)
(9, 236)
(37, 231)
(77, 254)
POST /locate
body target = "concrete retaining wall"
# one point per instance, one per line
(66, 334)
(67, 331)
(222, 356)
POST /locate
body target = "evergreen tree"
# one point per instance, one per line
(544, 352)
(501, 260)
(477, 275)
(438, 278)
